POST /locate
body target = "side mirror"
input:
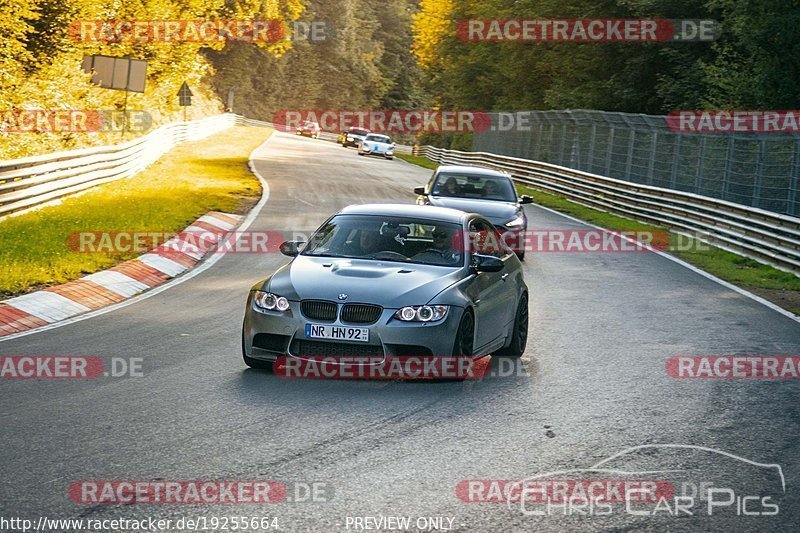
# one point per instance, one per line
(291, 248)
(486, 263)
(419, 190)
(526, 199)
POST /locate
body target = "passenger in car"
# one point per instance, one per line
(489, 189)
(451, 187)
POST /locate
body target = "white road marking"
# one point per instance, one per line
(117, 282)
(47, 305)
(214, 221)
(162, 264)
(693, 268)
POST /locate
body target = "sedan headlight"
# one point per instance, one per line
(516, 223)
(421, 313)
(271, 302)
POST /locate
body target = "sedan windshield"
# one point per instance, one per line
(378, 138)
(399, 239)
(357, 132)
(474, 186)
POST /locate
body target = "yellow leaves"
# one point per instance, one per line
(430, 26)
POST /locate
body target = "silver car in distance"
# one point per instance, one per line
(376, 144)
(385, 280)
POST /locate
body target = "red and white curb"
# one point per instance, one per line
(118, 283)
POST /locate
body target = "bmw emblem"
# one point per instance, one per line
(343, 296)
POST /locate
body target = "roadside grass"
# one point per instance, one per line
(770, 283)
(419, 161)
(190, 180)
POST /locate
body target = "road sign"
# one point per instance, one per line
(120, 73)
(184, 95)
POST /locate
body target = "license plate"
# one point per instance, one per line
(342, 333)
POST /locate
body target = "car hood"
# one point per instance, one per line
(377, 145)
(385, 283)
(496, 212)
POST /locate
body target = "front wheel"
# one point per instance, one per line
(465, 336)
(519, 333)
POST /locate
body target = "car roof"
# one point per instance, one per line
(443, 214)
(470, 169)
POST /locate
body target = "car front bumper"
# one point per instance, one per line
(268, 335)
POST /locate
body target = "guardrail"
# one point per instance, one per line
(30, 181)
(764, 236)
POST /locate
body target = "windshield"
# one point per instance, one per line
(354, 131)
(398, 239)
(474, 186)
(378, 138)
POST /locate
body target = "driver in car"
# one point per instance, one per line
(369, 241)
(442, 252)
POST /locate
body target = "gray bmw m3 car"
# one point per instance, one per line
(385, 280)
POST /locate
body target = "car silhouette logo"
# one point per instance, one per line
(343, 296)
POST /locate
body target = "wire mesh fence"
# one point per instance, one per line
(758, 170)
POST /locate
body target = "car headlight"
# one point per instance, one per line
(516, 223)
(350, 139)
(421, 313)
(271, 302)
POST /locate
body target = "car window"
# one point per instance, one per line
(474, 186)
(386, 238)
(378, 138)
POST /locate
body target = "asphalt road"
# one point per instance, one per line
(592, 383)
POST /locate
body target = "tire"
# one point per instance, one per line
(254, 363)
(390, 157)
(519, 333)
(465, 337)
(361, 153)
